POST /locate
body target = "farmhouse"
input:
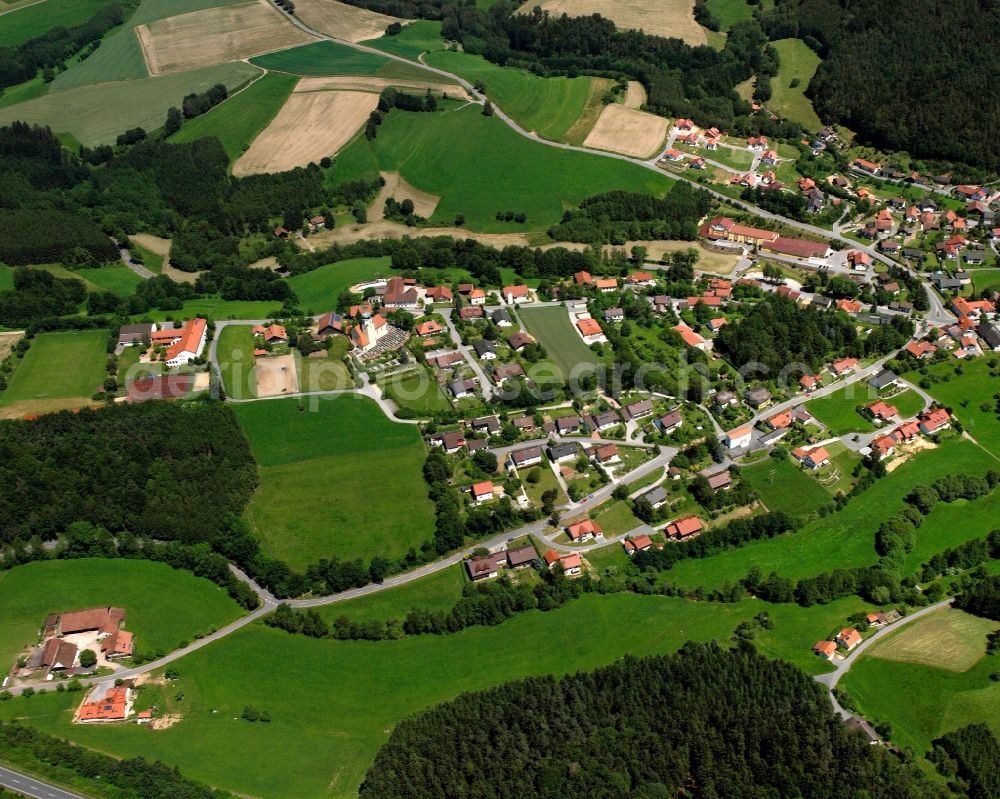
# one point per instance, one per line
(329, 324)
(118, 645)
(56, 655)
(105, 621)
(726, 229)
(438, 294)
(107, 702)
(585, 530)
(684, 528)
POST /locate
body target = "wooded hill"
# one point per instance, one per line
(705, 722)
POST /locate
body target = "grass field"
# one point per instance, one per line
(416, 391)
(118, 278)
(216, 308)
(838, 411)
(438, 591)
(61, 370)
(552, 328)
(479, 166)
(29, 90)
(616, 518)
(729, 12)
(6, 277)
(419, 36)
(238, 120)
(965, 394)
(844, 539)
(27, 23)
(317, 290)
(795, 60)
(948, 639)
(783, 486)
(330, 58)
(548, 106)
(97, 114)
(235, 351)
(163, 606)
(321, 491)
(330, 720)
(937, 700)
(667, 18)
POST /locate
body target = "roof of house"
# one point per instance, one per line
(739, 433)
(582, 528)
(557, 451)
(606, 452)
(112, 706)
(583, 278)
(526, 454)
(720, 479)
(638, 543)
(484, 347)
(428, 328)
(515, 291)
(780, 420)
(439, 293)
(640, 408)
(800, 248)
(485, 487)
(190, 338)
(104, 620)
(686, 526)
(827, 648)
(571, 561)
(520, 339)
(589, 327)
(59, 654)
(936, 418)
(671, 419)
(507, 371)
(118, 643)
(521, 556)
(691, 338)
(655, 495)
(849, 637)
(606, 283)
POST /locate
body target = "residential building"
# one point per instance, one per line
(518, 341)
(605, 420)
(107, 702)
(589, 328)
(483, 491)
(485, 568)
(485, 350)
(563, 452)
(460, 389)
(507, 372)
(934, 420)
(329, 324)
(614, 315)
(568, 424)
(477, 297)
(129, 335)
(530, 456)
(451, 441)
(585, 530)
(670, 422)
(825, 649)
(606, 453)
(638, 544)
(182, 344)
(883, 379)
(720, 481)
(849, 638)
(843, 366)
(656, 497)
(739, 439)
(684, 528)
(501, 317)
(428, 328)
(516, 294)
(812, 458)
(638, 410)
(691, 338)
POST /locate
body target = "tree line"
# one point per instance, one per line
(703, 723)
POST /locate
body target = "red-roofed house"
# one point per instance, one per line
(439, 294)
(607, 453)
(638, 544)
(583, 279)
(606, 284)
(589, 328)
(640, 279)
(272, 334)
(691, 338)
(932, 421)
(921, 349)
(851, 307)
(113, 705)
(849, 638)
(428, 328)
(183, 344)
(843, 366)
(738, 439)
(812, 458)
(883, 411)
(482, 492)
(516, 294)
(825, 649)
(118, 645)
(585, 530)
(684, 528)
(884, 446)
(809, 382)
(780, 420)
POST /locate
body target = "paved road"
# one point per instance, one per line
(485, 384)
(29, 786)
(139, 269)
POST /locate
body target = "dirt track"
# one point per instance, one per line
(309, 126)
(216, 36)
(276, 376)
(627, 131)
(342, 21)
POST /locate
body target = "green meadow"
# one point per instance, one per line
(318, 290)
(729, 12)
(847, 538)
(236, 362)
(336, 478)
(419, 36)
(784, 486)
(214, 307)
(795, 61)
(163, 606)
(237, 121)
(330, 58)
(970, 397)
(416, 391)
(479, 166)
(61, 370)
(548, 106)
(552, 328)
(118, 278)
(26, 23)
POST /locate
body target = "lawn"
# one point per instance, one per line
(34, 20)
(163, 606)
(237, 121)
(548, 106)
(216, 308)
(784, 486)
(845, 539)
(321, 491)
(795, 61)
(739, 160)
(61, 370)
(6, 277)
(416, 391)
(235, 354)
(418, 37)
(937, 700)
(327, 373)
(970, 396)
(318, 290)
(615, 518)
(838, 411)
(330, 58)
(346, 696)
(118, 278)
(729, 12)
(546, 482)
(479, 166)
(96, 114)
(564, 347)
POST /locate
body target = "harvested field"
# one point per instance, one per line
(310, 126)
(423, 203)
(342, 21)
(216, 36)
(385, 229)
(592, 111)
(361, 83)
(636, 94)
(949, 639)
(7, 342)
(161, 247)
(627, 131)
(719, 263)
(276, 376)
(670, 18)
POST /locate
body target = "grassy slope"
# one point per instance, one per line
(796, 60)
(235, 348)
(845, 539)
(964, 394)
(317, 290)
(162, 606)
(323, 487)
(238, 120)
(118, 278)
(479, 166)
(552, 328)
(27, 23)
(216, 308)
(729, 12)
(59, 366)
(416, 391)
(418, 37)
(548, 106)
(838, 410)
(6, 277)
(330, 58)
(783, 486)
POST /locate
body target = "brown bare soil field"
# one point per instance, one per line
(341, 21)
(423, 203)
(592, 111)
(216, 36)
(7, 342)
(310, 126)
(276, 376)
(636, 94)
(659, 17)
(627, 131)
(362, 83)
(18, 410)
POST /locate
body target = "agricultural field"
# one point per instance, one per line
(302, 131)
(236, 362)
(669, 18)
(938, 698)
(419, 36)
(729, 12)
(627, 131)
(795, 62)
(846, 538)
(424, 204)
(318, 290)
(477, 165)
(61, 370)
(329, 722)
(320, 493)
(97, 114)
(330, 58)
(362, 83)
(26, 23)
(416, 391)
(565, 348)
(215, 36)
(163, 606)
(237, 121)
(118, 278)
(784, 486)
(342, 21)
(547, 106)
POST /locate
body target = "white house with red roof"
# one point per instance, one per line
(516, 294)
(585, 530)
(183, 344)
